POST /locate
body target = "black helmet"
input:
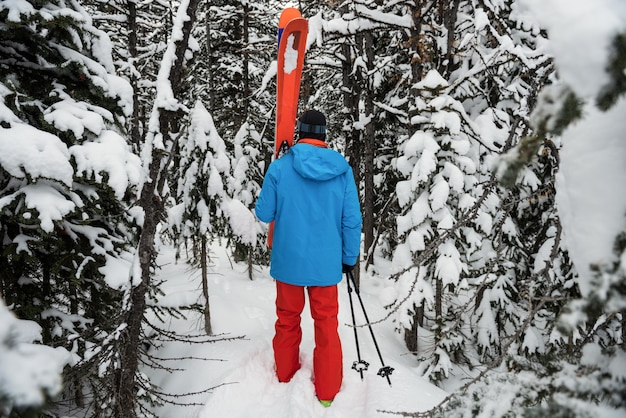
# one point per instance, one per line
(312, 124)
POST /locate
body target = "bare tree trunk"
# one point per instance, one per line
(416, 55)
(247, 249)
(624, 329)
(246, 60)
(209, 54)
(370, 151)
(125, 404)
(438, 307)
(205, 288)
(250, 262)
(351, 94)
(411, 337)
(150, 200)
(448, 11)
(135, 133)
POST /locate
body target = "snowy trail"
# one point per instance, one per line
(242, 370)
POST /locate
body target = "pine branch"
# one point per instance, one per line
(193, 339)
(509, 341)
(495, 363)
(383, 213)
(432, 246)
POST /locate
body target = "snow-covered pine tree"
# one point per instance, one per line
(21, 355)
(576, 333)
(247, 173)
(248, 155)
(139, 33)
(564, 361)
(585, 314)
(441, 228)
(67, 176)
(204, 174)
(237, 47)
(203, 181)
(525, 232)
(490, 71)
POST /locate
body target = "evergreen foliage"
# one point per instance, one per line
(64, 211)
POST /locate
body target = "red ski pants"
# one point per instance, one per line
(327, 355)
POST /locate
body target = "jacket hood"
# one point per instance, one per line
(317, 163)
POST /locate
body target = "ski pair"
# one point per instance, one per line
(292, 33)
(361, 365)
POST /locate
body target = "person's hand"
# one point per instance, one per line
(346, 268)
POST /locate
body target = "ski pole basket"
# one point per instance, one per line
(361, 365)
(385, 371)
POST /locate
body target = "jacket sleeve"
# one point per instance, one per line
(351, 222)
(265, 207)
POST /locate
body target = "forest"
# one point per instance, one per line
(126, 126)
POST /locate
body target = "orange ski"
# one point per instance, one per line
(292, 32)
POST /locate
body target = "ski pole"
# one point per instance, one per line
(384, 371)
(359, 365)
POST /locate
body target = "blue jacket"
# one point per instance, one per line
(311, 195)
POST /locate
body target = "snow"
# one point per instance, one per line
(362, 18)
(240, 371)
(591, 354)
(439, 193)
(38, 154)
(16, 8)
(433, 80)
(271, 72)
(542, 258)
(112, 85)
(28, 371)
(618, 366)
(487, 323)
(590, 192)
(47, 201)
(591, 197)
(68, 115)
(448, 266)
(493, 135)
(117, 269)
(291, 56)
(580, 33)
(109, 154)
(242, 221)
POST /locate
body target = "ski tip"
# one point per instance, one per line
(288, 14)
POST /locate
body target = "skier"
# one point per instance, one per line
(311, 195)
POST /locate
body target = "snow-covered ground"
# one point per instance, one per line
(241, 370)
